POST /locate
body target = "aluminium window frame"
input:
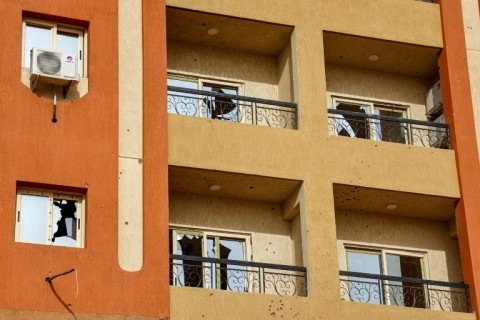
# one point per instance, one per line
(371, 105)
(55, 29)
(382, 251)
(210, 233)
(203, 81)
(52, 195)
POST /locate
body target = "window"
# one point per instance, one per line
(391, 263)
(207, 106)
(50, 218)
(356, 122)
(206, 244)
(55, 37)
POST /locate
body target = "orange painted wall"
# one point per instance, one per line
(459, 115)
(81, 150)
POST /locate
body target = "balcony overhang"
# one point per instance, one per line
(226, 32)
(232, 185)
(370, 200)
(393, 57)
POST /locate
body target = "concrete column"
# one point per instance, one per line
(130, 137)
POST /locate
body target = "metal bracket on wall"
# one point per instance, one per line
(34, 84)
(66, 88)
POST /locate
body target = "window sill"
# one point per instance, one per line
(76, 91)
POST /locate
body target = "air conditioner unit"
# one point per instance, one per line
(434, 100)
(439, 137)
(51, 66)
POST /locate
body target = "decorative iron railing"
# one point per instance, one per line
(221, 106)
(386, 128)
(406, 292)
(234, 275)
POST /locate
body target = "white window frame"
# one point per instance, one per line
(55, 28)
(371, 105)
(383, 251)
(205, 234)
(383, 254)
(51, 225)
(203, 81)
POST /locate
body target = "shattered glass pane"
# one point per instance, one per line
(351, 125)
(222, 108)
(65, 222)
(189, 273)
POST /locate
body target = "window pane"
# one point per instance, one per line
(34, 219)
(391, 131)
(364, 262)
(189, 245)
(232, 249)
(233, 277)
(219, 107)
(405, 293)
(36, 37)
(189, 273)
(67, 43)
(365, 289)
(182, 83)
(65, 214)
(183, 103)
(351, 125)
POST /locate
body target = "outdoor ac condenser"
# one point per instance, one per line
(51, 64)
(434, 100)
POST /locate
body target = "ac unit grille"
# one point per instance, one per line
(49, 63)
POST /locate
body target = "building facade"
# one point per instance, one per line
(80, 193)
(322, 160)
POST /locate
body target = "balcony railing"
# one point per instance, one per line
(391, 129)
(234, 275)
(221, 106)
(406, 292)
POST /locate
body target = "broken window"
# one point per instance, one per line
(209, 274)
(359, 120)
(50, 218)
(204, 105)
(221, 108)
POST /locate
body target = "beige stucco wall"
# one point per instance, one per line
(256, 72)
(431, 238)
(309, 154)
(286, 73)
(273, 239)
(215, 304)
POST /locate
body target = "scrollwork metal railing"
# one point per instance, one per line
(406, 292)
(234, 275)
(228, 107)
(386, 128)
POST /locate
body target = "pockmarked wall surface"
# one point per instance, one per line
(80, 153)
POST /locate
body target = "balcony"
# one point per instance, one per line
(240, 276)
(230, 107)
(235, 232)
(388, 128)
(399, 249)
(404, 292)
(384, 91)
(231, 69)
